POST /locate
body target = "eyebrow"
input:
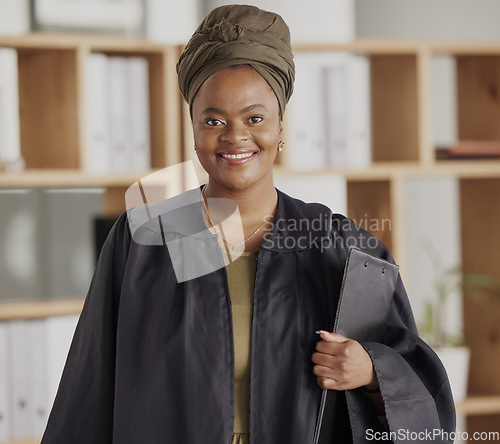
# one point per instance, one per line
(224, 113)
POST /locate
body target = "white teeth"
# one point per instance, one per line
(237, 156)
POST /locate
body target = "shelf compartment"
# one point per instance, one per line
(164, 103)
(480, 219)
(394, 108)
(368, 204)
(52, 95)
(48, 107)
(478, 94)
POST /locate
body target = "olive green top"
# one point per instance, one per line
(241, 277)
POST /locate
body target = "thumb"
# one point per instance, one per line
(328, 336)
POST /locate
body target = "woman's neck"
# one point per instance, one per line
(255, 204)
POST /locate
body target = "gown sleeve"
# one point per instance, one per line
(82, 412)
(413, 382)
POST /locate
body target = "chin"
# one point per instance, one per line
(239, 181)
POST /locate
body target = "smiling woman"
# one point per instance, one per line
(237, 130)
(237, 75)
(232, 354)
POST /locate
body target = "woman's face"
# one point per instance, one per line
(237, 128)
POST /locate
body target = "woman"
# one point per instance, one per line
(175, 345)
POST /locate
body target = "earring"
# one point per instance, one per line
(281, 145)
(195, 147)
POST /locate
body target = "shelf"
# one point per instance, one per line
(101, 42)
(362, 46)
(123, 43)
(479, 405)
(67, 178)
(26, 441)
(388, 46)
(51, 78)
(378, 171)
(40, 309)
(390, 170)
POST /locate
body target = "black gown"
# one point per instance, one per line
(152, 357)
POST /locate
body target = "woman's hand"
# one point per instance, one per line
(342, 363)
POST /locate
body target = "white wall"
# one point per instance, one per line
(429, 19)
(309, 21)
(14, 16)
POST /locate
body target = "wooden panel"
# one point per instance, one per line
(479, 405)
(28, 441)
(48, 108)
(40, 309)
(173, 101)
(65, 178)
(478, 85)
(368, 204)
(82, 54)
(424, 108)
(157, 110)
(394, 108)
(188, 152)
(97, 41)
(486, 427)
(115, 201)
(480, 219)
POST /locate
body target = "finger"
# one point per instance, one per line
(331, 348)
(323, 359)
(327, 383)
(325, 372)
(331, 337)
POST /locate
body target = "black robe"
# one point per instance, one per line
(152, 358)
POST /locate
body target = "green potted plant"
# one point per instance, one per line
(451, 282)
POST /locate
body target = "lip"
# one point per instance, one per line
(236, 157)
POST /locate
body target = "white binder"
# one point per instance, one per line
(119, 108)
(98, 156)
(140, 159)
(10, 136)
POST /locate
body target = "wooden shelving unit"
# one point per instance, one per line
(52, 101)
(52, 106)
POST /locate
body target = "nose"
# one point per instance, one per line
(235, 133)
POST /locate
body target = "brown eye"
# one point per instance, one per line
(213, 122)
(256, 119)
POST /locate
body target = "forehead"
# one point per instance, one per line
(235, 87)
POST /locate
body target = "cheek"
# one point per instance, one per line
(203, 139)
(270, 138)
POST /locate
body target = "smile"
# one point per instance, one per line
(237, 158)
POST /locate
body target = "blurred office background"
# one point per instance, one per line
(402, 134)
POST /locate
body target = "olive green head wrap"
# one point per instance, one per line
(239, 35)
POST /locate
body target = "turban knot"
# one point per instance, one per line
(225, 32)
(239, 35)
